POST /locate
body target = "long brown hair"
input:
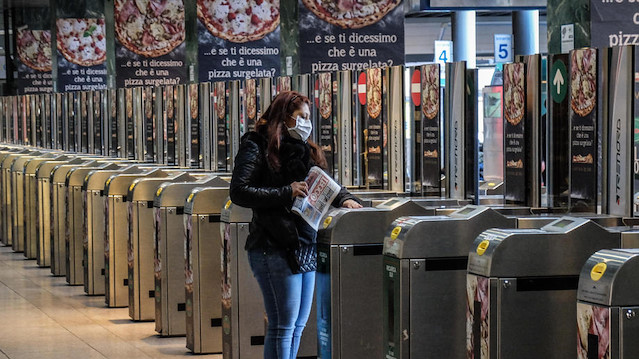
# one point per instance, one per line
(272, 125)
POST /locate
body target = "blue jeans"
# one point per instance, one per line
(287, 299)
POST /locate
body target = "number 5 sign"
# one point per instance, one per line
(503, 48)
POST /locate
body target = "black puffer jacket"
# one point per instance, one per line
(255, 184)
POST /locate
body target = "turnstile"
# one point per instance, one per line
(8, 194)
(425, 261)
(59, 214)
(243, 316)
(202, 263)
(117, 231)
(17, 199)
(608, 306)
(140, 242)
(94, 223)
(349, 297)
(46, 226)
(75, 215)
(4, 227)
(170, 246)
(31, 210)
(521, 287)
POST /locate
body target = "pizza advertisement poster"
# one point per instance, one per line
(34, 66)
(81, 57)
(350, 35)
(324, 105)
(430, 101)
(150, 48)
(514, 140)
(583, 126)
(238, 39)
(374, 132)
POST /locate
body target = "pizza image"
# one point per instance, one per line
(220, 100)
(430, 91)
(284, 83)
(148, 103)
(514, 101)
(129, 103)
(34, 48)
(430, 154)
(351, 14)
(515, 164)
(582, 159)
(150, 28)
(325, 95)
(193, 100)
(169, 102)
(239, 20)
(374, 92)
(251, 103)
(583, 81)
(82, 41)
(594, 320)
(96, 104)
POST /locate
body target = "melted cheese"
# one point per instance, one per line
(157, 30)
(263, 12)
(79, 27)
(134, 28)
(72, 43)
(240, 24)
(86, 40)
(65, 27)
(237, 5)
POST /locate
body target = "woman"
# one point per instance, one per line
(269, 173)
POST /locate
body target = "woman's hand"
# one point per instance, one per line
(299, 189)
(349, 203)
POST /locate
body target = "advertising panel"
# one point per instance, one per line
(238, 39)
(351, 35)
(81, 58)
(150, 48)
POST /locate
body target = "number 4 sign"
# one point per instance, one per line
(443, 51)
(503, 48)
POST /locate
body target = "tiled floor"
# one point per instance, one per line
(43, 317)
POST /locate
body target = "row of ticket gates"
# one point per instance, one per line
(400, 278)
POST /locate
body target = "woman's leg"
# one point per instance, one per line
(281, 290)
(306, 303)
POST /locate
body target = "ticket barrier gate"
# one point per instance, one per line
(17, 199)
(8, 193)
(117, 231)
(204, 251)
(23, 197)
(171, 246)
(5, 198)
(243, 318)
(75, 215)
(349, 298)
(608, 302)
(425, 261)
(31, 210)
(59, 214)
(3, 224)
(140, 243)
(45, 211)
(522, 287)
(94, 223)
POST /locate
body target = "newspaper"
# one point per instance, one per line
(322, 190)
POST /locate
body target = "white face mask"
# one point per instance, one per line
(302, 129)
